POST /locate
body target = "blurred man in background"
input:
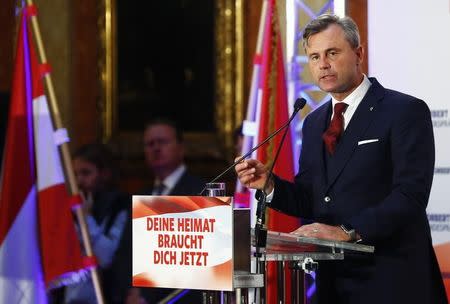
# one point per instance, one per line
(164, 155)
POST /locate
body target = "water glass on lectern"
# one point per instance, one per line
(215, 189)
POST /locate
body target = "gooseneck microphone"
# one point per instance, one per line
(261, 195)
(298, 105)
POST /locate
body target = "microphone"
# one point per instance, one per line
(261, 195)
(298, 105)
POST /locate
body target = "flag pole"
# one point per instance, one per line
(65, 154)
(253, 96)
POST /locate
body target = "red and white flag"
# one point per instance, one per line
(269, 110)
(39, 248)
(274, 113)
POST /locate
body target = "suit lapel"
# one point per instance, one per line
(355, 130)
(320, 125)
(178, 189)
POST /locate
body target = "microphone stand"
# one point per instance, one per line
(298, 105)
(245, 156)
(261, 196)
(260, 229)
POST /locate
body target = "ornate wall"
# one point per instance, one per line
(78, 37)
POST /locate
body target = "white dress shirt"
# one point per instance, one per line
(353, 100)
(170, 181)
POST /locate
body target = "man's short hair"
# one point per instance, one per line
(322, 22)
(167, 122)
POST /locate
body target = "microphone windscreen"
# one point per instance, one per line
(299, 104)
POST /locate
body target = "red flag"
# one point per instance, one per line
(274, 113)
(39, 248)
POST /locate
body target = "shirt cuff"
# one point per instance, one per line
(270, 196)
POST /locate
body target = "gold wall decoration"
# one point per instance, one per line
(229, 68)
(108, 67)
(207, 152)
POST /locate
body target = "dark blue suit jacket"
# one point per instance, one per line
(381, 188)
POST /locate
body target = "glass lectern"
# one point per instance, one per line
(302, 255)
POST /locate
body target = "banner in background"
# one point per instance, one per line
(409, 51)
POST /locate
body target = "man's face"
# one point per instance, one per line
(163, 153)
(87, 175)
(334, 64)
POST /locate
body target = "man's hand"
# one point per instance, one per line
(253, 174)
(322, 231)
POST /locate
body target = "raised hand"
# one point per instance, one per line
(253, 174)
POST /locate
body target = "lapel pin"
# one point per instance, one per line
(371, 108)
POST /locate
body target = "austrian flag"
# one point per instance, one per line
(39, 248)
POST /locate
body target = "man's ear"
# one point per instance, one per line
(359, 51)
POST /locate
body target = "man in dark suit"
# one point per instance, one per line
(366, 169)
(164, 155)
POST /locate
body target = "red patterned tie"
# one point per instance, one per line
(336, 128)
